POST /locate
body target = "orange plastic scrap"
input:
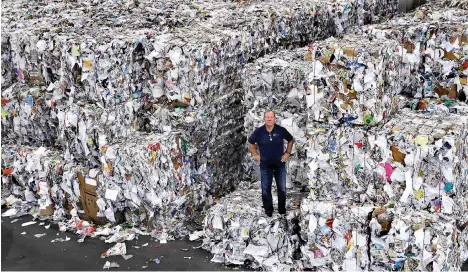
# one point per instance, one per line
(7, 171)
(79, 225)
(4, 101)
(397, 155)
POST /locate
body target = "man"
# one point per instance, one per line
(270, 141)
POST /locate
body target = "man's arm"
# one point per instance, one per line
(289, 147)
(288, 137)
(253, 147)
(286, 154)
(253, 150)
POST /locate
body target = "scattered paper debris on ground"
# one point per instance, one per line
(28, 223)
(117, 249)
(61, 240)
(109, 265)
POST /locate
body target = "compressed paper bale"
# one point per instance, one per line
(416, 240)
(335, 234)
(39, 179)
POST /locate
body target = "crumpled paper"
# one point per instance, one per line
(117, 249)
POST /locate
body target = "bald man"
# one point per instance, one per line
(269, 139)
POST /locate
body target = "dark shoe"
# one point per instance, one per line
(269, 214)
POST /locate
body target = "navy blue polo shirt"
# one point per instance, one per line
(271, 148)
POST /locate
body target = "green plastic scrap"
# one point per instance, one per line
(184, 146)
(357, 168)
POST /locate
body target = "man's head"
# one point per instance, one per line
(269, 117)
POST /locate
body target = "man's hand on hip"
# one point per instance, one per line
(285, 157)
(257, 158)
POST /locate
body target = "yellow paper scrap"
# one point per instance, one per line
(421, 140)
(419, 194)
(76, 51)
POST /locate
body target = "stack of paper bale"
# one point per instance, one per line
(150, 179)
(195, 63)
(437, 44)
(38, 116)
(414, 240)
(26, 116)
(428, 151)
(353, 80)
(414, 163)
(336, 235)
(85, 78)
(368, 162)
(372, 165)
(36, 179)
(150, 114)
(40, 35)
(435, 49)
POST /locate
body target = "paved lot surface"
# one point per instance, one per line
(26, 252)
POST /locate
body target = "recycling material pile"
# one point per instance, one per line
(434, 38)
(336, 81)
(237, 233)
(376, 165)
(349, 81)
(83, 129)
(26, 117)
(151, 113)
(434, 42)
(149, 179)
(335, 235)
(416, 240)
(345, 236)
(338, 235)
(330, 81)
(81, 89)
(145, 177)
(116, 84)
(38, 179)
(432, 147)
(39, 116)
(53, 42)
(380, 136)
(422, 190)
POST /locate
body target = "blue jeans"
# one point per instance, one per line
(267, 175)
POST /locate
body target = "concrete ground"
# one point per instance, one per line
(26, 252)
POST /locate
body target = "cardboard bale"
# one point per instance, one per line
(88, 197)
